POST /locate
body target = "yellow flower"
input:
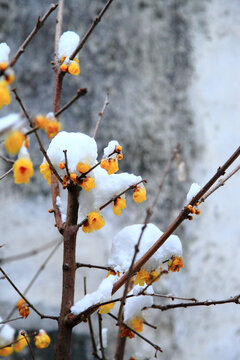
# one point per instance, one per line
(125, 332)
(73, 177)
(83, 167)
(46, 171)
(64, 67)
(21, 343)
(87, 184)
(24, 311)
(74, 68)
(6, 351)
(41, 121)
(5, 96)
(118, 148)
(3, 65)
(153, 275)
(110, 165)
(65, 182)
(14, 141)
(20, 303)
(22, 170)
(42, 340)
(61, 165)
(118, 205)
(141, 278)
(52, 128)
(175, 264)
(139, 194)
(105, 309)
(94, 221)
(137, 324)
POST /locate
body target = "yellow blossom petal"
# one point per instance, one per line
(6, 351)
(21, 343)
(175, 264)
(52, 128)
(3, 65)
(74, 68)
(42, 340)
(46, 172)
(137, 324)
(95, 221)
(141, 277)
(118, 205)
(105, 309)
(88, 183)
(5, 96)
(139, 194)
(83, 167)
(110, 165)
(41, 121)
(22, 171)
(14, 141)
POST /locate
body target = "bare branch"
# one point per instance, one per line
(100, 115)
(39, 24)
(79, 265)
(81, 92)
(100, 336)
(6, 174)
(92, 27)
(10, 161)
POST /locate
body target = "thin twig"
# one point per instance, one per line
(7, 321)
(36, 134)
(100, 115)
(234, 299)
(66, 163)
(39, 24)
(79, 265)
(10, 161)
(28, 343)
(88, 33)
(94, 352)
(27, 253)
(24, 298)
(6, 174)
(100, 336)
(156, 347)
(81, 92)
(220, 183)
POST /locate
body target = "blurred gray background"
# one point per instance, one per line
(172, 70)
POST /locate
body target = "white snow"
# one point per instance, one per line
(106, 187)
(50, 115)
(23, 153)
(4, 52)
(6, 334)
(110, 148)
(60, 206)
(123, 247)
(134, 305)
(9, 122)
(68, 42)
(104, 337)
(103, 293)
(80, 147)
(194, 189)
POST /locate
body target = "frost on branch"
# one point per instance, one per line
(194, 189)
(67, 44)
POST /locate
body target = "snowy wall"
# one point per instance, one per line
(172, 69)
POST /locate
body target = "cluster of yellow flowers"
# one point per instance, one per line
(105, 309)
(193, 210)
(111, 164)
(72, 66)
(6, 79)
(41, 341)
(49, 124)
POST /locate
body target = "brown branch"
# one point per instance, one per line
(81, 92)
(100, 115)
(183, 215)
(6, 174)
(58, 29)
(66, 163)
(24, 298)
(79, 265)
(28, 343)
(27, 253)
(220, 183)
(36, 134)
(100, 336)
(10, 320)
(57, 213)
(92, 27)
(39, 24)
(235, 299)
(32, 131)
(156, 347)
(94, 352)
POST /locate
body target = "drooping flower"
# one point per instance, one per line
(105, 309)
(52, 128)
(175, 264)
(23, 170)
(46, 171)
(40, 121)
(42, 340)
(87, 183)
(118, 205)
(139, 194)
(137, 324)
(6, 351)
(141, 278)
(95, 221)
(110, 165)
(73, 177)
(14, 141)
(125, 332)
(73, 67)
(21, 342)
(5, 96)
